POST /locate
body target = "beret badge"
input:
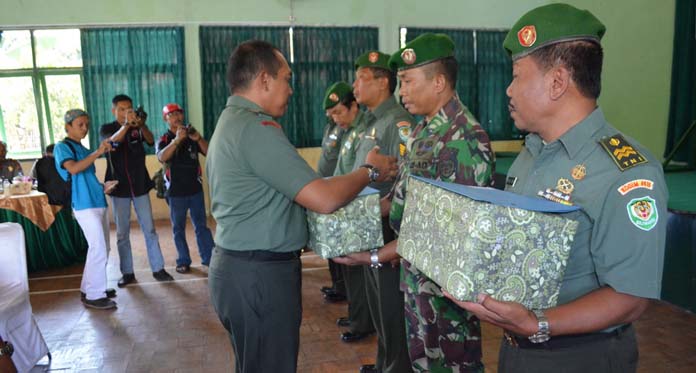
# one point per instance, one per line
(527, 36)
(409, 56)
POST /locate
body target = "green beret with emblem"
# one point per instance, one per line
(551, 24)
(424, 49)
(373, 59)
(335, 94)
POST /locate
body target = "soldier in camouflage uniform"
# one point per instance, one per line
(448, 145)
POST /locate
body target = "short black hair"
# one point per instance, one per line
(119, 98)
(248, 60)
(348, 100)
(583, 59)
(49, 148)
(379, 73)
(447, 66)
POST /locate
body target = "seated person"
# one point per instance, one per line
(48, 180)
(9, 168)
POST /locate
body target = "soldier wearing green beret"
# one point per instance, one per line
(343, 109)
(573, 155)
(449, 145)
(259, 190)
(330, 147)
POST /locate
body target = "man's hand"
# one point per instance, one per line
(193, 134)
(181, 134)
(510, 316)
(354, 259)
(385, 164)
(104, 147)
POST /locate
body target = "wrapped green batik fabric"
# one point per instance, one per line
(473, 240)
(352, 228)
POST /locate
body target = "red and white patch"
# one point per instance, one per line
(270, 123)
(373, 57)
(635, 184)
(527, 36)
(333, 97)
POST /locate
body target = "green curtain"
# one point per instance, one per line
(682, 110)
(216, 45)
(484, 73)
(61, 245)
(494, 72)
(323, 55)
(146, 63)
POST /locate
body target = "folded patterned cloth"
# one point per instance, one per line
(352, 228)
(472, 240)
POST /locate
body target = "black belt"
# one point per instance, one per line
(261, 255)
(563, 341)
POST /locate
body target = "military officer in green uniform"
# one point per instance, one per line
(259, 188)
(330, 147)
(343, 109)
(449, 145)
(390, 126)
(573, 155)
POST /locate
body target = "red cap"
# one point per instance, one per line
(170, 108)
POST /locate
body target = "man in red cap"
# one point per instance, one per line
(178, 150)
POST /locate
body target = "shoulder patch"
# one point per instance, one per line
(635, 184)
(621, 152)
(270, 123)
(404, 130)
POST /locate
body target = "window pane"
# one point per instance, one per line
(21, 125)
(64, 93)
(15, 50)
(58, 48)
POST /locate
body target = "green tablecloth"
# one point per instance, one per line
(61, 245)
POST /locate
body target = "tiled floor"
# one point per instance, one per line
(171, 327)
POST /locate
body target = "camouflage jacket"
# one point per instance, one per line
(452, 147)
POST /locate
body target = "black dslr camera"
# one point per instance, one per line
(189, 129)
(140, 113)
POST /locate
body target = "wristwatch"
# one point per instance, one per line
(7, 349)
(374, 259)
(373, 172)
(543, 334)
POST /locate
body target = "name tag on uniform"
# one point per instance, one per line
(510, 181)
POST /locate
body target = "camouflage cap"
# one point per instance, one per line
(73, 114)
(550, 24)
(373, 59)
(422, 50)
(335, 94)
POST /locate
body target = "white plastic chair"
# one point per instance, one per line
(17, 324)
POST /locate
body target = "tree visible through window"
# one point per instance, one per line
(40, 79)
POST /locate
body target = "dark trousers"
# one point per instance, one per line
(617, 354)
(259, 302)
(337, 280)
(358, 309)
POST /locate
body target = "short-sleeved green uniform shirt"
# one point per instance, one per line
(330, 147)
(390, 126)
(623, 199)
(346, 157)
(254, 174)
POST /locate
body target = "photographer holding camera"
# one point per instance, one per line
(126, 163)
(178, 150)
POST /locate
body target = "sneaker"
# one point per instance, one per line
(110, 293)
(126, 279)
(183, 269)
(162, 275)
(100, 304)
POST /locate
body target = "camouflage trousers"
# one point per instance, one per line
(441, 336)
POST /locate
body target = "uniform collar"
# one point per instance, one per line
(384, 107)
(451, 108)
(575, 138)
(357, 119)
(243, 103)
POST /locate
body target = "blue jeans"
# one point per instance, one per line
(121, 208)
(204, 239)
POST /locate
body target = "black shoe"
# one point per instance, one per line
(353, 337)
(334, 297)
(183, 268)
(100, 304)
(327, 289)
(370, 368)
(343, 321)
(110, 293)
(162, 275)
(126, 279)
